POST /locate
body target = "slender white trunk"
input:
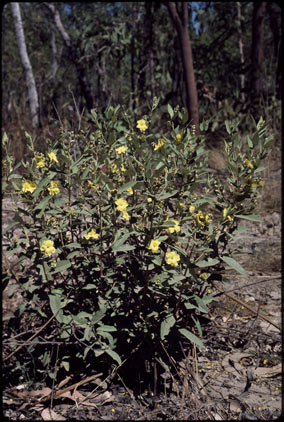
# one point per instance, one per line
(32, 91)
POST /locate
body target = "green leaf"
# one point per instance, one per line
(119, 242)
(189, 305)
(43, 183)
(234, 264)
(42, 206)
(5, 138)
(62, 266)
(73, 245)
(250, 144)
(123, 248)
(268, 141)
(126, 186)
(166, 325)
(98, 315)
(14, 176)
(261, 168)
(66, 365)
(207, 263)
(198, 325)
(228, 129)
(251, 217)
(89, 286)
(55, 304)
(114, 355)
(108, 328)
(170, 111)
(42, 203)
(166, 195)
(201, 305)
(192, 337)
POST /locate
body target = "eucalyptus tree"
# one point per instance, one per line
(257, 52)
(74, 55)
(28, 71)
(180, 21)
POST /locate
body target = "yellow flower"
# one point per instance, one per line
(202, 218)
(91, 235)
(48, 247)
(122, 149)
(207, 218)
(52, 221)
(28, 186)
(92, 185)
(121, 204)
(122, 168)
(52, 156)
(154, 245)
(130, 191)
(248, 163)
(40, 161)
(53, 189)
(142, 125)
(114, 168)
(149, 200)
(125, 216)
(175, 228)
(204, 275)
(179, 137)
(191, 208)
(172, 258)
(225, 212)
(159, 144)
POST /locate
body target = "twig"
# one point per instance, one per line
(35, 334)
(239, 301)
(71, 387)
(266, 278)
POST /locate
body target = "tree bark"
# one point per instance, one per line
(28, 71)
(80, 69)
(241, 49)
(274, 13)
(257, 51)
(180, 21)
(54, 62)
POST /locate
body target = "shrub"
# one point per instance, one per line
(124, 230)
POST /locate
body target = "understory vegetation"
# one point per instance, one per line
(124, 231)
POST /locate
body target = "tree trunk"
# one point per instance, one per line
(28, 71)
(257, 51)
(180, 21)
(274, 13)
(133, 54)
(80, 69)
(54, 62)
(241, 49)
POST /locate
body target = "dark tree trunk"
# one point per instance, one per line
(180, 21)
(274, 12)
(256, 85)
(80, 69)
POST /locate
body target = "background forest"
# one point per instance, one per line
(92, 55)
(139, 139)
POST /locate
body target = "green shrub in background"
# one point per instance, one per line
(124, 230)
